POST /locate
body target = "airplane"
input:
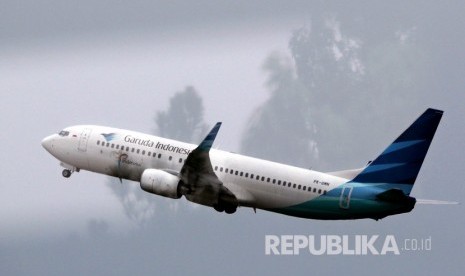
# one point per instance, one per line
(226, 181)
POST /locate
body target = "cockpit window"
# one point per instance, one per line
(63, 133)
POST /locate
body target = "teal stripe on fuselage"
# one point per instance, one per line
(363, 204)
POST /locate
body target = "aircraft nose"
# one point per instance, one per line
(47, 143)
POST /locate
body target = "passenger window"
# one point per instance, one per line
(159, 155)
(279, 182)
(293, 186)
(268, 179)
(304, 188)
(263, 178)
(298, 187)
(132, 150)
(241, 173)
(117, 146)
(180, 160)
(251, 175)
(236, 173)
(108, 144)
(247, 175)
(138, 150)
(226, 170)
(314, 190)
(170, 158)
(221, 169)
(112, 146)
(216, 168)
(319, 191)
(289, 184)
(143, 152)
(258, 177)
(284, 183)
(98, 142)
(274, 181)
(127, 149)
(231, 172)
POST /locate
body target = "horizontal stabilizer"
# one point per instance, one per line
(436, 202)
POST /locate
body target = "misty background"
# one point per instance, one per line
(325, 85)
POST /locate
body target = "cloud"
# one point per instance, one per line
(53, 19)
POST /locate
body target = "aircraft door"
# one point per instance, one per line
(85, 135)
(344, 200)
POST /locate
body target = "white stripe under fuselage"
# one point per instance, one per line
(146, 151)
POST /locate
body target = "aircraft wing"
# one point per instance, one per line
(199, 182)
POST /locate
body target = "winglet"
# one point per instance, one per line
(208, 141)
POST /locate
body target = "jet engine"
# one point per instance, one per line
(160, 183)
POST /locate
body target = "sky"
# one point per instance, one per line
(64, 63)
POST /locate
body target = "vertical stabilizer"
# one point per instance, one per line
(401, 161)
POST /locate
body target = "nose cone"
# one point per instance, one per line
(47, 143)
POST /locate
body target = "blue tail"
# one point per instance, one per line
(402, 160)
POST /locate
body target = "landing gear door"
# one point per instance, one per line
(85, 135)
(344, 200)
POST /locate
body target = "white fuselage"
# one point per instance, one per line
(225, 180)
(126, 154)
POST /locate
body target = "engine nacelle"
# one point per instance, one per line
(160, 183)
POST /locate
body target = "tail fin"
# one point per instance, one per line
(401, 161)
